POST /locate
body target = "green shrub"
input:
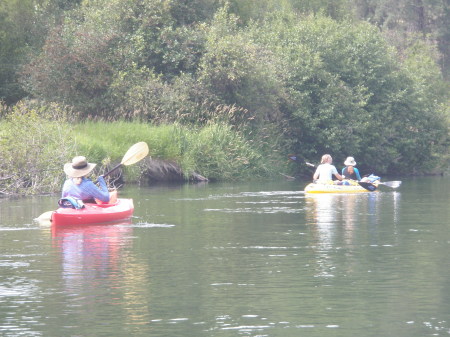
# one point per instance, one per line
(34, 144)
(216, 150)
(220, 153)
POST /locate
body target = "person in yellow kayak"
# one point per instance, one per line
(78, 186)
(350, 171)
(325, 171)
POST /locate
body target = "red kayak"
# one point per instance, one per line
(93, 213)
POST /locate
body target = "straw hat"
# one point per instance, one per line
(350, 161)
(79, 167)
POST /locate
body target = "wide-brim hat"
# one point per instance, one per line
(79, 167)
(350, 161)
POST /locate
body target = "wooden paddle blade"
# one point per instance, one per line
(135, 153)
(392, 184)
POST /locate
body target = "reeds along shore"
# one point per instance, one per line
(38, 146)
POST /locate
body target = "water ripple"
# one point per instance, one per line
(263, 210)
(151, 225)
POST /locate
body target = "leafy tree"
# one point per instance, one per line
(73, 69)
(248, 10)
(238, 70)
(101, 42)
(402, 19)
(348, 94)
(23, 29)
(310, 83)
(34, 141)
(13, 42)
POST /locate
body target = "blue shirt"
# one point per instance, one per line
(87, 190)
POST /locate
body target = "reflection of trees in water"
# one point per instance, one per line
(335, 220)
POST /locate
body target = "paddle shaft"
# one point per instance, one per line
(109, 172)
(134, 154)
(112, 170)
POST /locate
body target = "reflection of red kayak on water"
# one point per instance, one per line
(91, 255)
(94, 213)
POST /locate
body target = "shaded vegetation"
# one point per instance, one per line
(34, 141)
(37, 141)
(266, 77)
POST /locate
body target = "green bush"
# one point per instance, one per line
(219, 153)
(34, 145)
(349, 94)
(216, 150)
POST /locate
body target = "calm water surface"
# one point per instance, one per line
(260, 259)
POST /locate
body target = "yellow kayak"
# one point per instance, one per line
(333, 187)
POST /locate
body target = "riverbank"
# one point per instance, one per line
(37, 143)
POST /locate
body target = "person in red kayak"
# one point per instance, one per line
(78, 186)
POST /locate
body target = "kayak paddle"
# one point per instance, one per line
(134, 154)
(294, 157)
(372, 187)
(368, 186)
(391, 184)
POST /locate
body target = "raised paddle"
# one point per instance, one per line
(134, 154)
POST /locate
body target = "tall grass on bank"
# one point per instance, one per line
(214, 150)
(106, 142)
(36, 142)
(218, 152)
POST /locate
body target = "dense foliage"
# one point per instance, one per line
(34, 141)
(357, 78)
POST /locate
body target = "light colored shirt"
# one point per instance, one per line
(86, 190)
(325, 172)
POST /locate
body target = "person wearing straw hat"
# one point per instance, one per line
(350, 171)
(78, 186)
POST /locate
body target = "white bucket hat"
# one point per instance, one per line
(350, 161)
(79, 167)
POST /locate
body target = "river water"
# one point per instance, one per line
(256, 259)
